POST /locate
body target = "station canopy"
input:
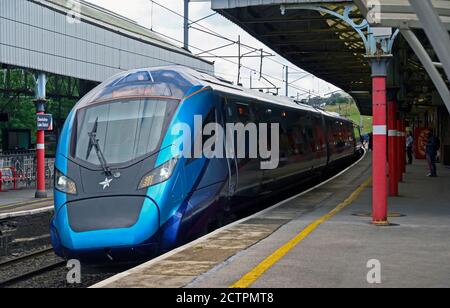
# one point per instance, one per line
(330, 48)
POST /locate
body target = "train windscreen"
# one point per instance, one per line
(121, 131)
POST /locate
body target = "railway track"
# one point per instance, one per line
(29, 273)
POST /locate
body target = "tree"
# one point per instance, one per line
(17, 95)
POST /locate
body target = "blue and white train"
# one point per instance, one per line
(121, 193)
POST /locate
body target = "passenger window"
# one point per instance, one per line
(293, 132)
(265, 115)
(244, 113)
(210, 118)
(310, 133)
(319, 134)
(245, 116)
(300, 132)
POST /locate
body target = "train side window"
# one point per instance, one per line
(319, 134)
(330, 135)
(244, 113)
(302, 132)
(238, 112)
(351, 134)
(230, 112)
(280, 117)
(211, 117)
(264, 115)
(295, 134)
(339, 134)
(310, 133)
(244, 116)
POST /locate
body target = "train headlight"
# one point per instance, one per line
(159, 175)
(65, 184)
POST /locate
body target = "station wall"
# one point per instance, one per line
(37, 35)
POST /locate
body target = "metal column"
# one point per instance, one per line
(378, 42)
(399, 151)
(403, 144)
(380, 185)
(392, 149)
(41, 83)
(186, 24)
(287, 81)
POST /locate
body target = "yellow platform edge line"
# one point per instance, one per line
(251, 277)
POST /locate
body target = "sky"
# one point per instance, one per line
(151, 15)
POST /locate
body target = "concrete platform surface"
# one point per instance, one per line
(23, 201)
(413, 253)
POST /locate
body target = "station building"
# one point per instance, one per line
(58, 51)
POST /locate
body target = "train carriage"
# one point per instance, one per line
(123, 193)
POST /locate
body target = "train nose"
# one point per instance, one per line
(104, 213)
(99, 223)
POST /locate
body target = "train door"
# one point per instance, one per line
(233, 169)
(332, 140)
(320, 148)
(327, 128)
(249, 174)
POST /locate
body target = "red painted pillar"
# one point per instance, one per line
(379, 151)
(399, 151)
(392, 150)
(40, 162)
(41, 82)
(404, 146)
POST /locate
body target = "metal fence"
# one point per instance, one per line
(23, 166)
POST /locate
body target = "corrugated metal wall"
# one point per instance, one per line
(34, 36)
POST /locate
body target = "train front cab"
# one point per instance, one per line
(139, 209)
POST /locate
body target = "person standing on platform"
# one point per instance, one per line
(409, 148)
(431, 150)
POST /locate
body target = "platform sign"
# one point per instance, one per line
(44, 122)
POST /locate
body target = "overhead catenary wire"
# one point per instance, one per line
(305, 91)
(233, 62)
(214, 33)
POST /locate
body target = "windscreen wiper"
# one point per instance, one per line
(94, 143)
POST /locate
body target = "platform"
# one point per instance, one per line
(413, 253)
(23, 201)
(297, 244)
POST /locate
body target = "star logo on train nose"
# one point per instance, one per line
(106, 183)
